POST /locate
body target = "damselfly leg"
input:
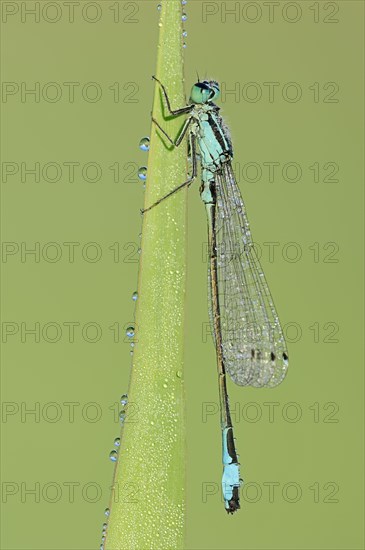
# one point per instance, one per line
(185, 183)
(175, 142)
(174, 112)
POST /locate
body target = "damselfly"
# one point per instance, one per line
(249, 341)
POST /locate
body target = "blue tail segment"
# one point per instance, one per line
(231, 481)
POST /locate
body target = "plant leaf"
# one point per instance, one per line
(147, 503)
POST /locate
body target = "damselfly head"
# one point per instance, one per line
(205, 91)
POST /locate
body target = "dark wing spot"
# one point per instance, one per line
(285, 357)
(273, 356)
(253, 353)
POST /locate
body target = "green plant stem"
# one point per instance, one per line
(147, 502)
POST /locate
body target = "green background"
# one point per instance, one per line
(309, 449)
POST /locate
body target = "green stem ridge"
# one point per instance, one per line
(147, 501)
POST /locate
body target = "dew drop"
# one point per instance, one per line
(184, 17)
(159, 7)
(130, 332)
(185, 34)
(134, 296)
(107, 512)
(184, 2)
(113, 455)
(105, 526)
(117, 441)
(144, 144)
(184, 45)
(179, 373)
(122, 416)
(142, 173)
(124, 399)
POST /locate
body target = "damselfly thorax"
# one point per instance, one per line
(214, 146)
(212, 137)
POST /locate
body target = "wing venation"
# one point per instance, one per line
(253, 343)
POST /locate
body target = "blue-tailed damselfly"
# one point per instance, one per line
(249, 340)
